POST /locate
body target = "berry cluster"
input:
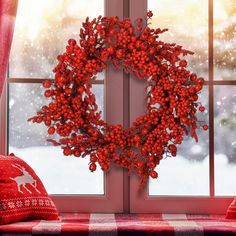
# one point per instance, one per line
(172, 94)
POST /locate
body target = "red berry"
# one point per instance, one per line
(183, 63)
(139, 20)
(68, 91)
(198, 88)
(47, 84)
(93, 158)
(133, 38)
(200, 81)
(193, 77)
(152, 164)
(39, 119)
(184, 119)
(71, 42)
(172, 148)
(144, 131)
(92, 167)
(48, 93)
(67, 151)
(140, 164)
(136, 138)
(98, 27)
(205, 127)
(105, 167)
(60, 79)
(151, 158)
(110, 50)
(77, 153)
(195, 97)
(80, 89)
(47, 122)
(119, 53)
(153, 174)
(51, 130)
(173, 154)
(149, 14)
(201, 108)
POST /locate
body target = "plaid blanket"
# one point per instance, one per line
(125, 224)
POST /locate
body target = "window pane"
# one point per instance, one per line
(188, 172)
(225, 140)
(187, 22)
(41, 33)
(225, 39)
(60, 174)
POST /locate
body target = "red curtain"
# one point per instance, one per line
(7, 21)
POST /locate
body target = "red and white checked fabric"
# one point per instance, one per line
(125, 225)
(231, 211)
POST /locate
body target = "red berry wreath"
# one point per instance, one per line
(172, 94)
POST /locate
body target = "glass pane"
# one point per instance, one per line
(225, 39)
(41, 33)
(188, 172)
(187, 22)
(225, 140)
(60, 174)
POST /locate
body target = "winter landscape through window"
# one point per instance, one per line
(40, 36)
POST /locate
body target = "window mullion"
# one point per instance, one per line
(126, 120)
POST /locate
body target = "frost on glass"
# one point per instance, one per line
(61, 175)
(225, 39)
(225, 140)
(187, 22)
(188, 172)
(41, 33)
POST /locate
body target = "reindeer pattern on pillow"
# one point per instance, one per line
(23, 180)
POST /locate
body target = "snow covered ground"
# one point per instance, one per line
(61, 174)
(177, 176)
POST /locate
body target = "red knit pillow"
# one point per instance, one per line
(231, 211)
(22, 194)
